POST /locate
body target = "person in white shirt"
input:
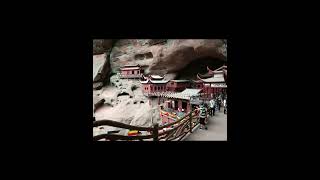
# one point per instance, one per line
(225, 106)
(212, 107)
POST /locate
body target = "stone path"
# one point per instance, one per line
(217, 129)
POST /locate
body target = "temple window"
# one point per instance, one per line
(184, 105)
(176, 105)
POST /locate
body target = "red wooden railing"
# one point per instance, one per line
(172, 131)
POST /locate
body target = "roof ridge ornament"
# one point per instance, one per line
(210, 71)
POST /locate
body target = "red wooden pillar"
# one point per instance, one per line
(180, 104)
(210, 90)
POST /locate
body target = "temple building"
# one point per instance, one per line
(214, 81)
(177, 105)
(153, 84)
(197, 84)
(178, 85)
(131, 71)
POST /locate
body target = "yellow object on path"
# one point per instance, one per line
(132, 132)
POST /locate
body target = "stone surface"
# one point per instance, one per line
(97, 102)
(169, 57)
(97, 85)
(101, 70)
(126, 104)
(100, 46)
(217, 129)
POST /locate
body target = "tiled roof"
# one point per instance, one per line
(158, 82)
(203, 76)
(215, 78)
(131, 65)
(144, 82)
(153, 82)
(156, 77)
(191, 92)
(180, 81)
(220, 85)
(130, 68)
(186, 94)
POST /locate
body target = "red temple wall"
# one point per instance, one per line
(129, 72)
(158, 87)
(150, 88)
(146, 88)
(177, 86)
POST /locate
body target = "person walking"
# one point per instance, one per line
(203, 115)
(212, 107)
(225, 106)
(218, 104)
(209, 109)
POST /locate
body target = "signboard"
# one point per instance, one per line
(217, 85)
(195, 100)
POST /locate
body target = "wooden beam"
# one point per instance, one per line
(114, 137)
(120, 125)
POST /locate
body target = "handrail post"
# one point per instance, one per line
(190, 119)
(155, 132)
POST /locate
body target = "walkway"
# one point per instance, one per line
(217, 129)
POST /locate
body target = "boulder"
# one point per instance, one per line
(97, 85)
(100, 46)
(101, 69)
(97, 102)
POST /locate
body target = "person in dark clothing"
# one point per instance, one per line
(218, 104)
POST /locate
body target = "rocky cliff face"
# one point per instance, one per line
(101, 61)
(124, 102)
(163, 56)
(100, 46)
(167, 57)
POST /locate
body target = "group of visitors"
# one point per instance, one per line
(206, 110)
(216, 103)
